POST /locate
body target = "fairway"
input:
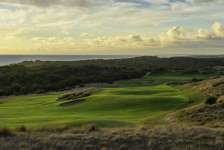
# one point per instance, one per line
(111, 107)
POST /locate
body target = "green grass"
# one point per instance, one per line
(111, 107)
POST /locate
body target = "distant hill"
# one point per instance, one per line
(43, 76)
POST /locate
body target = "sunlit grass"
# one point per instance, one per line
(112, 107)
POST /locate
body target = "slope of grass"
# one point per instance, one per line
(111, 107)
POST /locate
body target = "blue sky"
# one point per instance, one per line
(146, 27)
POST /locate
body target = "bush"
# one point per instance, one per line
(22, 129)
(195, 80)
(6, 132)
(91, 128)
(211, 100)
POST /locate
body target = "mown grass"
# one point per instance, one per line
(111, 107)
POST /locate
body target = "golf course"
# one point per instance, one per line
(108, 107)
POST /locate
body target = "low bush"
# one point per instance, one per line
(195, 80)
(22, 129)
(6, 132)
(211, 100)
(91, 128)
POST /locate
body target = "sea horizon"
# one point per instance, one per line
(8, 59)
(14, 58)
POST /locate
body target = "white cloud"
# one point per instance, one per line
(107, 24)
(203, 34)
(67, 3)
(11, 19)
(175, 33)
(176, 37)
(218, 29)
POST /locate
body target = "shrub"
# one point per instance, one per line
(195, 80)
(22, 129)
(211, 100)
(91, 128)
(81, 85)
(6, 132)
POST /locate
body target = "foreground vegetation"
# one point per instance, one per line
(160, 138)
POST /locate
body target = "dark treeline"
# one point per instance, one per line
(38, 76)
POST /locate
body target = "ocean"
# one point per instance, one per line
(13, 59)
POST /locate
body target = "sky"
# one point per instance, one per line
(112, 27)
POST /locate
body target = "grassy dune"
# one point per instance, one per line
(111, 107)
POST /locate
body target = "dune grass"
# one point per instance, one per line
(111, 107)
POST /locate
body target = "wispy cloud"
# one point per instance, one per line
(89, 3)
(81, 26)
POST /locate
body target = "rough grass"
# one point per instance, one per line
(210, 111)
(169, 138)
(203, 115)
(111, 107)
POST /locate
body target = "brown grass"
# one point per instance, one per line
(160, 138)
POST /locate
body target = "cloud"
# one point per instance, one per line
(47, 3)
(218, 29)
(109, 24)
(207, 1)
(97, 3)
(173, 37)
(82, 3)
(11, 19)
(176, 33)
(176, 36)
(136, 38)
(203, 34)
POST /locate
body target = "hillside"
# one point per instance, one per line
(158, 111)
(207, 114)
(40, 77)
(154, 112)
(211, 87)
